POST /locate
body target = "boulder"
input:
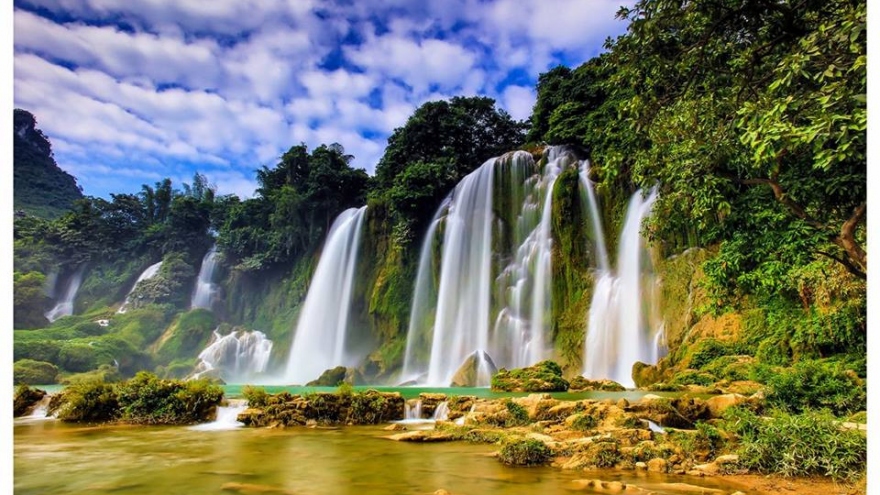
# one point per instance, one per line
(720, 403)
(658, 465)
(476, 368)
(334, 377)
(545, 376)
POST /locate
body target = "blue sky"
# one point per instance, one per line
(130, 92)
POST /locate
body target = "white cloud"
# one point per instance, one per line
(518, 101)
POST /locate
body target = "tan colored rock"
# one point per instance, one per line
(658, 465)
(641, 465)
(720, 403)
(688, 488)
(722, 460)
(441, 492)
(395, 427)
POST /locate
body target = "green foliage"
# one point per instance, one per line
(815, 385)
(187, 336)
(40, 187)
(366, 408)
(805, 444)
(255, 396)
(89, 402)
(31, 372)
(517, 414)
(524, 452)
(706, 440)
(29, 300)
(693, 377)
(584, 422)
(147, 399)
(545, 376)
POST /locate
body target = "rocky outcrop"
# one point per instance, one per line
(579, 384)
(545, 376)
(337, 376)
(469, 373)
(25, 400)
(284, 409)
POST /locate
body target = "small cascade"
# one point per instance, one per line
(441, 413)
(320, 339)
(412, 412)
(149, 273)
(236, 357)
(620, 328)
(204, 291)
(65, 305)
(227, 417)
(40, 411)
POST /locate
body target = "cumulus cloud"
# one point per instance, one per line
(130, 92)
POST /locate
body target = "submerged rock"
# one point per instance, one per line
(545, 376)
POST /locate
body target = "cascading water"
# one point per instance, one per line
(236, 357)
(204, 290)
(65, 305)
(320, 338)
(494, 267)
(149, 273)
(619, 324)
(227, 417)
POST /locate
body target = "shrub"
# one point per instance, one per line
(256, 396)
(518, 416)
(37, 350)
(89, 402)
(30, 372)
(366, 407)
(815, 385)
(707, 350)
(147, 399)
(692, 377)
(810, 443)
(524, 452)
(584, 422)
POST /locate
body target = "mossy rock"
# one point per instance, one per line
(467, 375)
(524, 452)
(580, 383)
(545, 376)
(334, 377)
(25, 399)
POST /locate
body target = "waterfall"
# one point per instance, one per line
(236, 357)
(320, 338)
(412, 412)
(64, 307)
(204, 290)
(492, 292)
(227, 417)
(619, 327)
(441, 413)
(149, 273)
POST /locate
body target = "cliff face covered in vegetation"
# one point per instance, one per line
(749, 119)
(40, 188)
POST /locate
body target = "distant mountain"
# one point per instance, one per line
(40, 187)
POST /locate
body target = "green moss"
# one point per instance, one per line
(545, 376)
(186, 336)
(524, 452)
(693, 377)
(256, 396)
(584, 422)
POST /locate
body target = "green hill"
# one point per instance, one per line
(40, 187)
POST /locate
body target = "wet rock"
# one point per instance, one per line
(468, 374)
(679, 412)
(26, 398)
(395, 427)
(336, 376)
